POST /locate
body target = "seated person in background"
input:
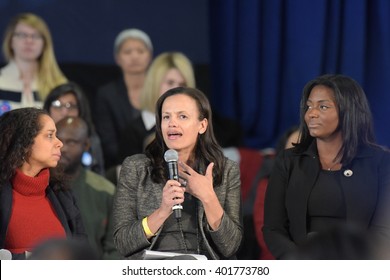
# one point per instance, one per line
(35, 203)
(118, 103)
(208, 188)
(69, 100)
(93, 192)
(254, 204)
(32, 70)
(288, 139)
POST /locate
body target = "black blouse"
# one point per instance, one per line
(326, 204)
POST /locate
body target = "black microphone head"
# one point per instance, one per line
(171, 155)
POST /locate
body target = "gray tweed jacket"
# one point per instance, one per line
(138, 196)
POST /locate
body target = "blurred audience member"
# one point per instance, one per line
(69, 100)
(255, 169)
(93, 192)
(118, 102)
(32, 70)
(288, 139)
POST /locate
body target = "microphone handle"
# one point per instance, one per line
(173, 170)
(177, 210)
(173, 175)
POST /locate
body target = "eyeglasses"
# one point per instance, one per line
(24, 36)
(57, 105)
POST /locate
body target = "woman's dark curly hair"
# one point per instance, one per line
(207, 149)
(19, 128)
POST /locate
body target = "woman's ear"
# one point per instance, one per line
(204, 124)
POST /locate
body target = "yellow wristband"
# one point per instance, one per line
(147, 230)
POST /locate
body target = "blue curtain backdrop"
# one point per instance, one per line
(264, 51)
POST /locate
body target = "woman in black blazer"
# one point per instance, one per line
(117, 103)
(334, 178)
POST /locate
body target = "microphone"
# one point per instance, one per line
(171, 157)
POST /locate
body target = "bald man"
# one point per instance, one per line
(93, 192)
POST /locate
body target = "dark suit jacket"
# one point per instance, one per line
(367, 196)
(64, 205)
(112, 112)
(133, 139)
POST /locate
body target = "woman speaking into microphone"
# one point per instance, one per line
(207, 189)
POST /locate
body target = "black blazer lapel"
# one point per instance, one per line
(298, 192)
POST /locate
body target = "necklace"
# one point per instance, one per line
(332, 166)
(326, 166)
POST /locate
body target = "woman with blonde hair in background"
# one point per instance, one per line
(168, 70)
(32, 70)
